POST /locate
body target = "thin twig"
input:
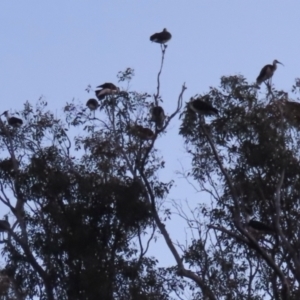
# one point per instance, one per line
(156, 96)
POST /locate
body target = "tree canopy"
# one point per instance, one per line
(84, 209)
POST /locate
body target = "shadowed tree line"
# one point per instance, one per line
(83, 210)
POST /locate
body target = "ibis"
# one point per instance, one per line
(107, 89)
(4, 225)
(13, 121)
(142, 132)
(203, 108)
(101, 94)
(92, 104)
(161, 37)
(259, 226)
(146, 134)
(267, 72)
(157, 116)
(108, 85)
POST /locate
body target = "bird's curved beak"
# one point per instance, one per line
(280, 63)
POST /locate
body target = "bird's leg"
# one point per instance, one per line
(269, 88)
(267, 83)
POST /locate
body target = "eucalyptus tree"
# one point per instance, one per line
(247, 160)
(84, 209)
(80, 215)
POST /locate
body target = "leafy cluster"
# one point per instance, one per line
(85, 208)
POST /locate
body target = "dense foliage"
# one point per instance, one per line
(84, 209)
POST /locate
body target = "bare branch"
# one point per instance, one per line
(156, 96)
(230, 233)
(181, 270)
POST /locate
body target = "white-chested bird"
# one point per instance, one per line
(106, 89)
(12, 121)
(267, 72)
(161, 37)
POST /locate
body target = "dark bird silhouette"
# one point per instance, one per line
(146, 134)
(157, 116)
(142, 132)
(161, 37)
(267, 72)
(258, 226)
(13, 121)
(203, 108)
(92, 104)
(108, 85)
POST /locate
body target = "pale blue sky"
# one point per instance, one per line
(56, 48)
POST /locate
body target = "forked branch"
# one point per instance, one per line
(181, 269)
(251, 240)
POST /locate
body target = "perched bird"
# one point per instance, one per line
(4, 225)
(161, 37)
(107, 89)
(267, 72)
(146, 134)
(108, 85)
(258, 226)
(157, 116)
(12, 121)
(92, 104)
(101, 94)
(142, 132)
(203, 108)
